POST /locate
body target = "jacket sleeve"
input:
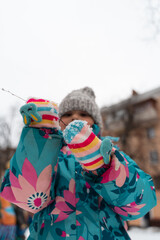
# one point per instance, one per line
(29, 180)
(124, 186)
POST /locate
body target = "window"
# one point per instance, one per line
(153, 157)
(151, 132)
(109, 119)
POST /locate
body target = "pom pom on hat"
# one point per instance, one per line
(83, 100)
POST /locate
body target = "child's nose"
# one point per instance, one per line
(75, 116)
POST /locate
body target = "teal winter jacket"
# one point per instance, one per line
(69, 202)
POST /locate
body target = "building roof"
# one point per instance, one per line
(134, 99)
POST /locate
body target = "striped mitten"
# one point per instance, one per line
(40, 113)
(86, 146)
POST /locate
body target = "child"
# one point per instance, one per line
(78, 186)
(7, 216)
(7, 220)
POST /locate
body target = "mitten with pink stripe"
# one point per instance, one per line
(89, 150)
(40, 113)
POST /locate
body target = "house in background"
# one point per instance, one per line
(136, 121)
(5, 156)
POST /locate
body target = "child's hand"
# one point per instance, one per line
(106, 149)
(40, 113)
(88, 149)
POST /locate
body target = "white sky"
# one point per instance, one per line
(48, 48)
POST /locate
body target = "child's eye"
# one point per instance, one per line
(67, 115)
(84, 114)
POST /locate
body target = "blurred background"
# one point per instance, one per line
(48, 49)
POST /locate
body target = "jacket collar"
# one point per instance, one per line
(96, 130)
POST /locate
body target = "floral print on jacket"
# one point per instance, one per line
(68, 202)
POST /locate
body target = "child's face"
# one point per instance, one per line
(75, 115)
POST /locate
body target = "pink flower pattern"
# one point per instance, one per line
(29, 191)
(117, 172)
(132, 209)
(66, 150)
(66, 205)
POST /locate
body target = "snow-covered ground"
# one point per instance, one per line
(144, 233)
(151, 233)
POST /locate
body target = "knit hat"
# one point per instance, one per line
(84, 100)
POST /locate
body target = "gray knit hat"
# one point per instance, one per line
(82, 99)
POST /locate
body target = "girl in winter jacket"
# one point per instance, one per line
(78, 185)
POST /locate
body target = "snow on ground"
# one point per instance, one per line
(151, 233)
(26, 233)
(144, 233)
